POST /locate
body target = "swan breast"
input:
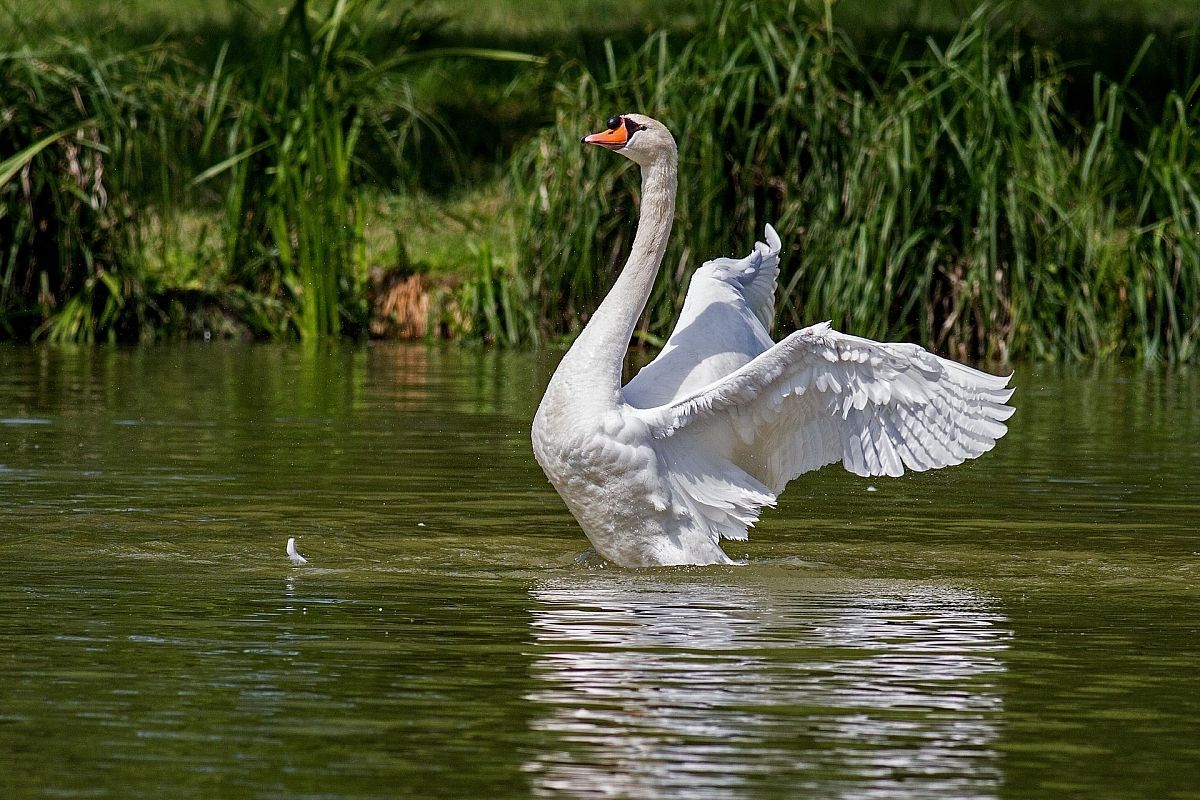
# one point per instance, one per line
(608, 473)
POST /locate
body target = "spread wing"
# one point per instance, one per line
(724, 323)
(820, 397)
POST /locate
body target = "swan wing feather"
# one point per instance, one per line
(754, 276)
(725, 322)
(820, 396)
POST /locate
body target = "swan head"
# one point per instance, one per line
(635, 136)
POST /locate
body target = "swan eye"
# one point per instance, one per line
(613, 123)
(632, 127)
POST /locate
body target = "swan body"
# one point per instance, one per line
(689, 452)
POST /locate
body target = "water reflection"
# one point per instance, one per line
(653, 687)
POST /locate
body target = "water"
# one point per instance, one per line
(1024, 626)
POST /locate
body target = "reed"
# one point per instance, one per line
(288, 131)
(969, 192)
(76, 123)
(108, 156)
(949, 198)
(286, 128)
(1163, 291)
(495, 304)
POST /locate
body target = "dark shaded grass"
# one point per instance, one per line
(489, 108)
(69, 233)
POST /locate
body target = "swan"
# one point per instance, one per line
(658, 471)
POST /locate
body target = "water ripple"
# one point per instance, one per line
(702, 691)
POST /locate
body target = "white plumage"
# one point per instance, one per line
(294, 555)
(689, 452)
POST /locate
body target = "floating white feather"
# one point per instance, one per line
(295, 557)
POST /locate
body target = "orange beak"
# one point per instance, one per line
(613, 138)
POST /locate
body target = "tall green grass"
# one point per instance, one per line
(290, 128)
(969, 192)
(287, 128)
(948, 198)
(101, 153)
(72, 125)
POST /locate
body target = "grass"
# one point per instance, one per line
(285, 139)
(951, 197)
(986, 188)
(68, 264)
(294, 226)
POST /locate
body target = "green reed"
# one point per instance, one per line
(948, 197)
(286, 128)
(107, 159)
(292, 126)
(1164, 290)
(73, 126)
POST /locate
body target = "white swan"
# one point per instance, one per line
(690, 450)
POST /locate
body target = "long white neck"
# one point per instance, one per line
(592, 366)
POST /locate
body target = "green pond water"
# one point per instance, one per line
(1023, 626)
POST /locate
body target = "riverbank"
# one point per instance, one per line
(992, 191)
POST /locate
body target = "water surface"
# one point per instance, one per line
(1024, 626)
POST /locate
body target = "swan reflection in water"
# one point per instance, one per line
(662, 686)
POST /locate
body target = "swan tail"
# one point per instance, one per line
(713, 493)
